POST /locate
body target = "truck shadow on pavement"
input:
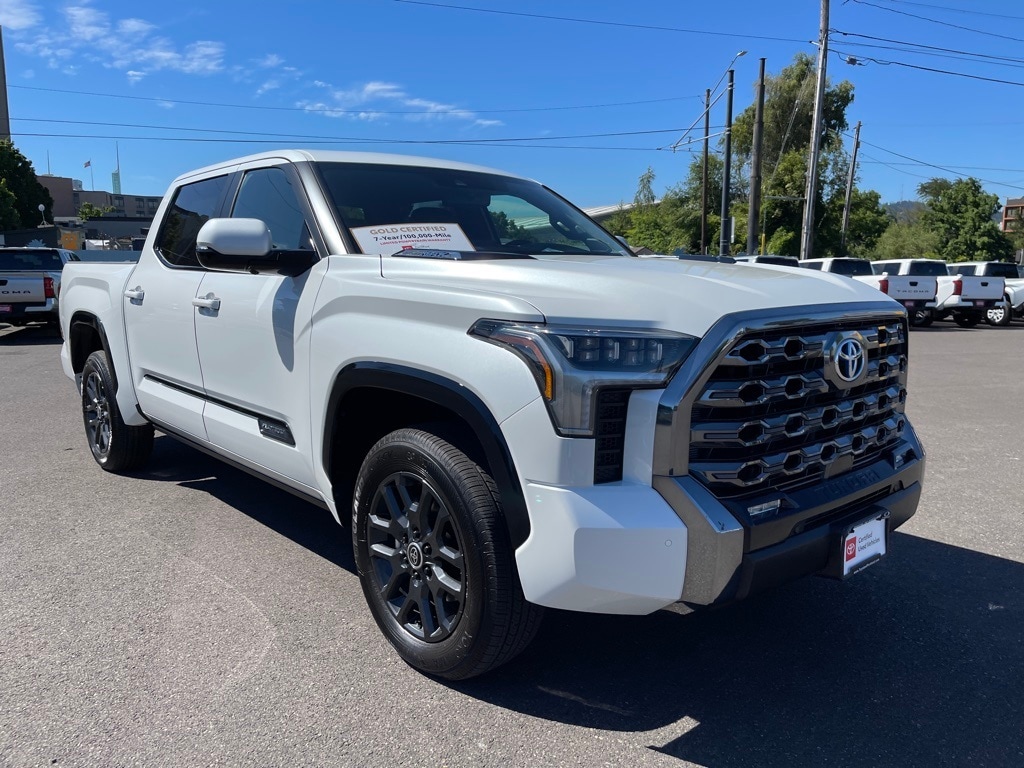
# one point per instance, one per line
(29, 336)
(918, 661)
(304, 523)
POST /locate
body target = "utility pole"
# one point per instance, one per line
(5, 115)
(849, 189)
(704, 176)
(807, 239)
(754, 217)
(723, 245)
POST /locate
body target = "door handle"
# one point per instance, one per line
(209, 301)
(135, 295)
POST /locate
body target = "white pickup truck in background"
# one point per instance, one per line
(509, 408)
(30, 284)
(964, 297)
(1012, 304)
(915, 292)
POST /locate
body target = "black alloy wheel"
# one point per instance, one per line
(434, 557)
(416, 553)
(116, 446)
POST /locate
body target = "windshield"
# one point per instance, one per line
(852, 267)
(387, 208)
(30, 259)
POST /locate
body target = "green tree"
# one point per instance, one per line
(9, 218)
(20, 180)
(647, 228)
(89, 211)
(789, 100)
(960, 213)
(907, 240)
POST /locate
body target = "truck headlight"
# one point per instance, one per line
(571, 363)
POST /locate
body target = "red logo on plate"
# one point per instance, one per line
(851, 548)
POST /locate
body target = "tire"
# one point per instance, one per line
(116, 446)
(1000, 314)
(967, 320)
(921, 318)
(434, 558)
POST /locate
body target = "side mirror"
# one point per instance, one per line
(245, 245)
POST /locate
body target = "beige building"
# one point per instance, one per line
(1013, 215)
(68, 196)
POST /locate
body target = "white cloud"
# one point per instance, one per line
(19, 14)
(270, 85)
(270, 61)
(130, 44)
(377, 100)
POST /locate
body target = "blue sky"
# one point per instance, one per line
(584, 102)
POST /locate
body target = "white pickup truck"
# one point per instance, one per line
(915, 292)
(509, 409)
(30, 284)
(1012, 304)
(965, 298)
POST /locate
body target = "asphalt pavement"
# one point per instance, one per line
(191, 615)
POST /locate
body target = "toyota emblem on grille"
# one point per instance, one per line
(849, 360)
(846, 359)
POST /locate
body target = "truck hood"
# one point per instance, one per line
(672, 294)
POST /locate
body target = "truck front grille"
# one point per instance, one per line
(772, 416)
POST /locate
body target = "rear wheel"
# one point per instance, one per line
(434, 558)
(116, 446)
(921, 318)
(1000, 314)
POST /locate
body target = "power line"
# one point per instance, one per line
(885, 63)
(602, 23)
(277, 142)
(944, 169)
(958, 10)
(334, 111)
(348, 138)
(1000, 61)
(924, 48)
(933, 21)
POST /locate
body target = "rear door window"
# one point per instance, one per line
(193, 205)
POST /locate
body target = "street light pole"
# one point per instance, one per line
(723, 245)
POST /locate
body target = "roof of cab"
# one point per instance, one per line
(333, 156)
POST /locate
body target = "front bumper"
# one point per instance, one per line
(729, 562)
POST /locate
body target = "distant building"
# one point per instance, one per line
(68, 196)
(1013, 215)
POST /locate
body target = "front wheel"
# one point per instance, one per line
(434, 558)
(116, 446)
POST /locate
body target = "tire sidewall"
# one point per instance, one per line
(445, 657)
(97, 363)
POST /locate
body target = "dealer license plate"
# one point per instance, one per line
(5, 308)
(864, 544)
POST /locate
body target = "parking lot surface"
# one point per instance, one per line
(192, 615)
